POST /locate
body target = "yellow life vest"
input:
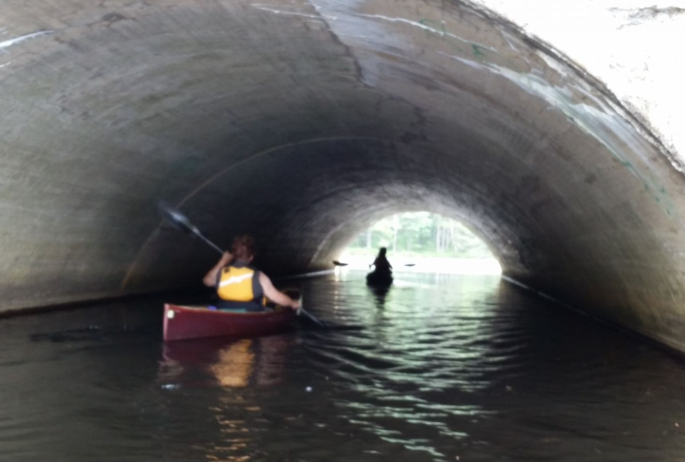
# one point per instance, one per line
(239, 283)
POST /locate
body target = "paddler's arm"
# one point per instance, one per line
(274, 294)
(210, 278)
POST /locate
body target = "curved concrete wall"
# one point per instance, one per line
(302, 123)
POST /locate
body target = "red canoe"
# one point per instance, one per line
(190, 322)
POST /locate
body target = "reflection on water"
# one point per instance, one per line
(230, 363)
(380, 294)
(447, 367)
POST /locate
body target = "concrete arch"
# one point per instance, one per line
(302, 122)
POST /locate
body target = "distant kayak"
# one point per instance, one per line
(379, 279)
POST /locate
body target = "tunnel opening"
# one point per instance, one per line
(422, 241)
(303, 125)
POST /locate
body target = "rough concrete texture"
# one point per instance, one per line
(302, 122)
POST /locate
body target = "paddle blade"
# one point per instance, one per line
(175, 218)
(410, 264)
(337, 263)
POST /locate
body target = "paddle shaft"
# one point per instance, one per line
(303, 311)
(210, 243)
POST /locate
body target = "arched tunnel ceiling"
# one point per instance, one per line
(302, 122)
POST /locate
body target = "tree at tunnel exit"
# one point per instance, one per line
(420, 233)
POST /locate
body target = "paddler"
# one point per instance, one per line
(381, 264)
(240, 285)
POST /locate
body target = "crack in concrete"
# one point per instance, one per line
(348, 49)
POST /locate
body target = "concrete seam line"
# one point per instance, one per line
(204, 184)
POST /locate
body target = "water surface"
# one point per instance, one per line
(440, 368)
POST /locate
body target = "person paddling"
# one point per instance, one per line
(381, 264)
(382, 272)
(240, 285)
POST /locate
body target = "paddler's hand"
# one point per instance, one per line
(210, 278)
(295, 305)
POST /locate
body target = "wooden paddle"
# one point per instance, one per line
(179, 221)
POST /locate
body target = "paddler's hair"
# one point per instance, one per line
(243, 247)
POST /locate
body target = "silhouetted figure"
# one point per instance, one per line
(382, 273)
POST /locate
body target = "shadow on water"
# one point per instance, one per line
(447, 367)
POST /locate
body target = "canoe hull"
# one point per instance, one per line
(186, 323)
(379, 279)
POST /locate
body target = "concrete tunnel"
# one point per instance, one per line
(303, 122)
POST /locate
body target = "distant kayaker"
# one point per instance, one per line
(240, 285)
(381, 264)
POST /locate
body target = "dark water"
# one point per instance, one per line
(446, 367)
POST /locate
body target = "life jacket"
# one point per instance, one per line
(239, 283)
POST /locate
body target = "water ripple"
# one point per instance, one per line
(444, 368)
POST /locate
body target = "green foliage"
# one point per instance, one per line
(420, 233)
